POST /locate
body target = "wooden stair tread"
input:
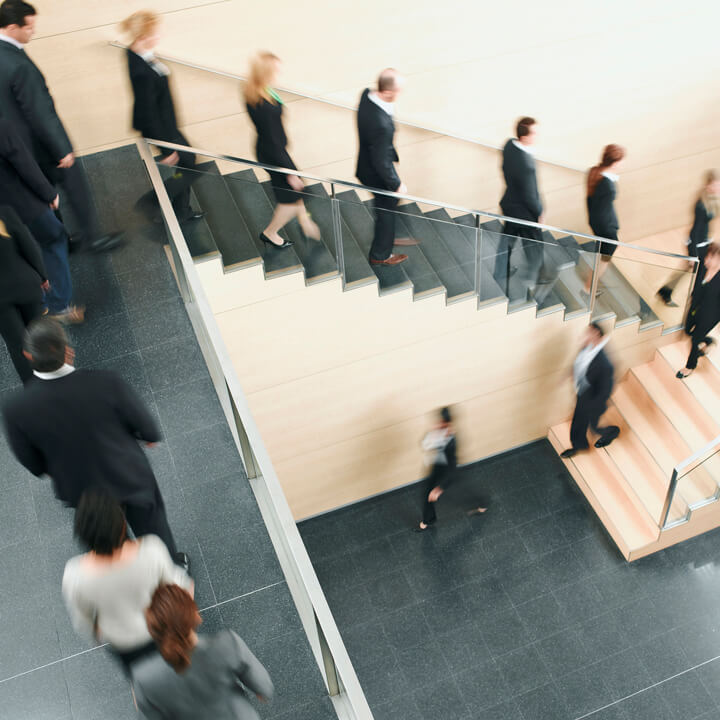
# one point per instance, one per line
(610, 490)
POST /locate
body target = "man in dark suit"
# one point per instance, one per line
(26, 103)
(593, 378)
(375, 165)
(82, 428)
(521, 200)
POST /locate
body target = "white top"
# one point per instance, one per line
(60, 372)
(160, 68)
(389, 108)
(525, 148)
(12, 41)
(614, 177)
(115, 598)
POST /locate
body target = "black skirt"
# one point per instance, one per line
(284, 194)
(606, 249)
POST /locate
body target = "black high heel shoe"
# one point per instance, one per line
(268, 241)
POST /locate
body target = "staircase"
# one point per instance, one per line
(662, 422)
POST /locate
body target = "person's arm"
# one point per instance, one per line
(27, 247)
(133, 413)
(13, 150)
(145, 104)
(247, 668)
(148, 710)
(529, 194)
(83, 618)
(380, 145)
(24, 450)
(38, 109)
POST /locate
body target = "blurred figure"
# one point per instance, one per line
(24, 187)
(154, 113)
(22, 281)
(265, 108)
(28, 106)
(704, 312)
(441, 444)
(375, 165)
(521, 200)
(191, 677)
(593, 377)
(601, 190)
(107, 589)
(707, 208)
(82, 427)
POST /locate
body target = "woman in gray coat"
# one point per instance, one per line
(193, 677)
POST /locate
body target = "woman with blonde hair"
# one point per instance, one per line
(601, 192)
(154, 112)
(707, 208)
(265, 108)
(191, 676)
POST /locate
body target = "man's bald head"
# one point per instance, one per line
(389, 84)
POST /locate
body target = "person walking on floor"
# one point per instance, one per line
(520, 200)
(154, 114)
(375, 164)
(24, 187)
(107, 589)
(601, 191)
(191, 676)
(593, 377)
(82, 428)
(22, 282)
(704, 312)
(26, 103)
(441, 442)
(707, 209)
(265, 108)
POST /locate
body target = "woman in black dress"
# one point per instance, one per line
(706, 209)
(22, 281)
(600, 204)
(704, 312)
(265, 109)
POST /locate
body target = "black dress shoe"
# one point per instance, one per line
(193, 216)
(183, 560)
(105, 242)
(608, 437)
(568, 453)
(268, 241)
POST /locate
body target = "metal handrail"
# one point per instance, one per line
(415, 199)
(191, 286)
(714, 443)
(345, 106)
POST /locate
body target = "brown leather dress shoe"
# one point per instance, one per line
(392, 260)
(405, 242)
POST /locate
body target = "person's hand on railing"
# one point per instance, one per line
(542, 219)
(172, 159)
(55, 204)
(402, 188)
(295, 183)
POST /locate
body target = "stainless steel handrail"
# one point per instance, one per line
(194, 294)
(415, 199)
(714, 443)
(345, 106)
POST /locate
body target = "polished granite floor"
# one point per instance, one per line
(138, 326)
(527, 612)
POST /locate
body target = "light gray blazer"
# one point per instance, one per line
(209, 689)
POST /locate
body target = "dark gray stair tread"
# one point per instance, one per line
(198, 237)
(361, 224)
(232, 236)
(356, 267)
(556, 255)
(551, 301)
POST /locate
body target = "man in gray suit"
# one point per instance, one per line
(26, 103)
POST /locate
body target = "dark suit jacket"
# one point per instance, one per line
(271, 139)
(600, 376)
(704, 311)
(153, 110)
(377, 153)
(26, 103)
(22, 183)
(601, 209)
(21, 265)
(701, 224)
(83, 430)
(522, 198)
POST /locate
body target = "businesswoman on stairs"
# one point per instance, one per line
(265, 109)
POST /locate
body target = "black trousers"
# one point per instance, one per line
(697, 337)
(587, 414)
(14, 318)
(437, 476)
(384, 236)
(530, 238)
(151, 519)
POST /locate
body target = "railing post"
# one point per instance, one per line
(668, 499)
(328, 661)
(478, 256)
(594, 283)
(337, 232)
(688, 299)
(251, 468)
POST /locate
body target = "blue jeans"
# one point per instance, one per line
(52, 238)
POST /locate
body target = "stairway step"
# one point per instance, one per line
(608, 492)
(228, 228)
(626, 294)
(361, 224)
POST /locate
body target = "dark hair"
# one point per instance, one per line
(597, 328)
(46, 342)
(523, 126)
(445, 414)
(14, 12)
(171, 619)
(100, 522)
(611, 154)
(387, 80)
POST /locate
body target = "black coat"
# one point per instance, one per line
(701, 224)
(271, 144)
(376, 131)
(26, 103)
(22, 183)
(704, 312)
(600, 377)
(21, 265)
(83, 431)
(153, 110)
(601, 209)
(521, 198)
